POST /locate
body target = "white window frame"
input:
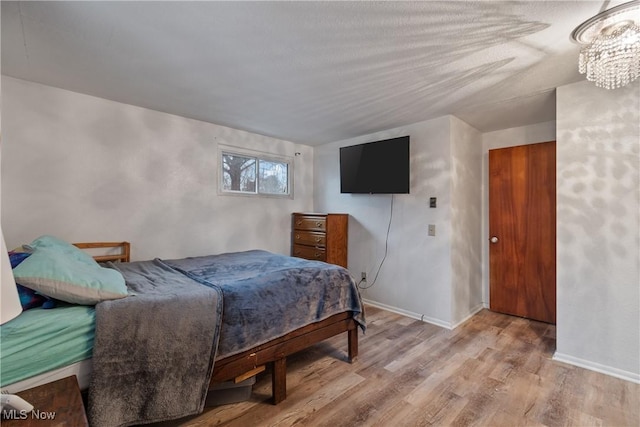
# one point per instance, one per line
(257, 155)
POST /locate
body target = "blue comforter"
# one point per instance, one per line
(267, 295)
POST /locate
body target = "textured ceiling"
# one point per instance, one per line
(308, 72)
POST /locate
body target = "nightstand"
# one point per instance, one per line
(55, 404)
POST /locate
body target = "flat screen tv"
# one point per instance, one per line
(380, 167)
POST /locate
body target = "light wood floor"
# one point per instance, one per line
(494, 370)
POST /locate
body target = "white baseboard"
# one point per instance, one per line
(472, 312)
(422, 317)
(410, 314)
(597, 367)
(593, 366)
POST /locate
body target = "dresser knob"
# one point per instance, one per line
(318, 239)
(318, 224)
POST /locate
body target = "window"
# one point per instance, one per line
(246, 172)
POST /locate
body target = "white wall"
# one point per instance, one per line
(541, 132)
(598, 214)
(466, 219)
(88, 169)
(416, 278)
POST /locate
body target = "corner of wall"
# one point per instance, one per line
(598, 223)
(466, 219)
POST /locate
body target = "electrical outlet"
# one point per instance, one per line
(432, 229)
(363, 276)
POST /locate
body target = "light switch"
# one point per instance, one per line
(432, 202)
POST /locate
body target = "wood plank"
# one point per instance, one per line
(55, 404)
(123, 249)
(249, 374)
(494, 370)
(230, 367)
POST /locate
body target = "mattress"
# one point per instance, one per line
(41, 340)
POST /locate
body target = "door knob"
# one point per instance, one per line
(494, 239)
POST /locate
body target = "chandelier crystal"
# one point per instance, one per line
(611, 57)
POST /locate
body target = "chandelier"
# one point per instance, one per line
(611, 54)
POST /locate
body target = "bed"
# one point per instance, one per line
(228, 361)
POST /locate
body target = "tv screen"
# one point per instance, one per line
(380, 167)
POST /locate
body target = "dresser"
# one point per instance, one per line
(321, 237)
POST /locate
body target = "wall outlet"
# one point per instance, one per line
(363, 276)
(432, 229)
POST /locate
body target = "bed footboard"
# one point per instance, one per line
(276, 351)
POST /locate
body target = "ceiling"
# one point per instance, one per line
(307, 72)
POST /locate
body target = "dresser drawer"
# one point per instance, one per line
(308, 252)
(314, 223)
(309, 238)
(320, 236)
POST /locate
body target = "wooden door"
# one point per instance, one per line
(522, 231)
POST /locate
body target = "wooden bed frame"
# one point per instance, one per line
(274, 353)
